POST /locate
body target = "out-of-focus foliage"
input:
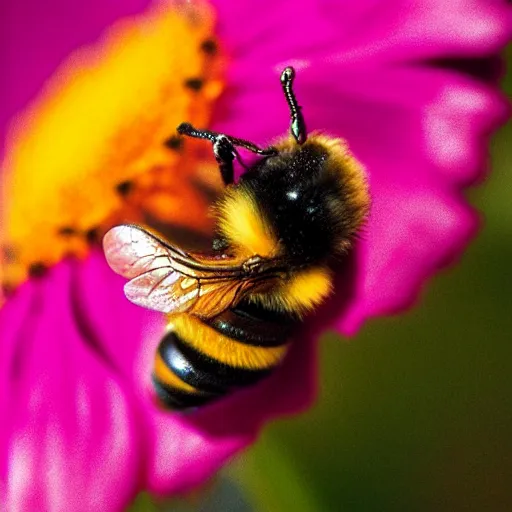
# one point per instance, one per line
(416, 412)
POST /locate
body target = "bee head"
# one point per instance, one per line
(304, 199)
(311, 197)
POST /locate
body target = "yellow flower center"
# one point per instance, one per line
(98, 146)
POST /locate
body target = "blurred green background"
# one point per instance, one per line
(415, 413)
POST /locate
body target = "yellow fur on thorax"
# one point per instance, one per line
(301, 293)
(244, 224)
(225, 350)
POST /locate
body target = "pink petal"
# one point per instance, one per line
(83, 431)
(37, 36)
(422, 136)
(191, 448)
(416, 30)
(183, 449)
(421, 131)
(70, 434)
(374, 31)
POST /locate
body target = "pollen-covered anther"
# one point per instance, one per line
(98, 146)
(210, 46)
(174, 142)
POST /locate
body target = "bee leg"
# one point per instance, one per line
(190, 131)
(225, 153)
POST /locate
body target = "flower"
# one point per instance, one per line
(82, 430)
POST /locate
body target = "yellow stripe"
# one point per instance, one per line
(164, 374)
(243, 223)
(301, 293)
(223, 349)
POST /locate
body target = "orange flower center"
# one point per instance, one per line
(99, 147)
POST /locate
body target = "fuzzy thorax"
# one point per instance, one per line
(302, 206)
(302, 292)
(305, 204)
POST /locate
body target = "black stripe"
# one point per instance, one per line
(248, 330)
(175, 399)
(252, 324)
(203, 372)
(179, 364)
(225, 375)
(259, 312)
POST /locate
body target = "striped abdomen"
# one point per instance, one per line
(200, 360)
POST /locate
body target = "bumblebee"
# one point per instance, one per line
(232, 310)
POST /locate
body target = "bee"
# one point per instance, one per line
(231, 311)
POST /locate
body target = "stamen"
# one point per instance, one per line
(175, 143)
(67, 231)
(92, 235)
(195, 84)
(124, 188)
(209, 46)
(8, 254)
(37, 269)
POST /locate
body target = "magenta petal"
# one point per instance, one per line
(187, 449)
(406, 30)
(69, 431)
(127, 334)
(38, 36)
(374, 31)
(392, 261)
(420, 131)
(181, 450)
(422, 136)
(80, 428)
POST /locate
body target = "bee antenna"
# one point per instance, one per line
(297, 126)
(224, 149)
(190, 131)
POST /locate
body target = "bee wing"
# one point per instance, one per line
(161, 290)
(131, 251)
(167, 279)
(153, 267)
(216, 297)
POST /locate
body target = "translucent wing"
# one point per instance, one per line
(131, 251)
(161, 289)
(167, 279)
